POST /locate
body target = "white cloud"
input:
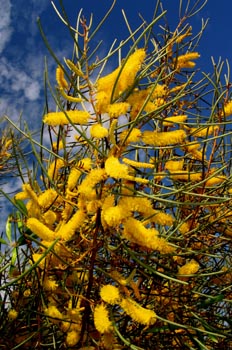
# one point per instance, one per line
(5, 23)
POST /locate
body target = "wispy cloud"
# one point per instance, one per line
(5, 23)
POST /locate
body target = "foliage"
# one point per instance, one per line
(121, 235)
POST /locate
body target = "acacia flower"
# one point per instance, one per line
(163, 138)
(138, 313)
(72, 337)
(137, 164)
(47, 198)
(12, 314)
(130, 136)
(67, 230)
(41, 230)
(169, 121)
(101, 319)
(98, 131)
(110, 294)
(114, 216)
(115, 169)
(190, 268)
(62, 83)
(53, 312)
(60, 118)
(228, 108)
(116, 109)
(54, 168)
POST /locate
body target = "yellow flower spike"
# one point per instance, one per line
(74, 68)
(49, 284)
(228, 108)
(47, 198)
(12, 314)
(170, 121)
(70, 98)
(116, 109)
(67, 230)
(112, 130)
(41, 230)
(203, 131)
(163, 138)
(98, 131)
(114, 216)
(110, 294)
(94, 177)
(115, 169)
(101, 319)
(53, 312)
(190, 268)
(60, 118)
(137, 164)
(181, 37)
(62, 83)
(49, 217)
(54, 168)
(138, 313)
(174, 165)
(188, 57)
(72, 337)
(73, 178)
(133, 136)
(215, 180)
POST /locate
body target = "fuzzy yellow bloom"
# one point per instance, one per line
(184, 175)
(114, 216)
(133, 135)
(110, 294)
(36, 257)
(53, 312)
(193, 149)
(61, 81)
(137, 164)
(138, 313)
(73, 177)
(190, 268)
(101, 319)
(27, 193)
(203, 131)
(92, 179)
(41, 230)
(12, 314)
(181, 37)
(215, 180)
(54, 168)
(174, 165)
(158, 91)
(98, 131)
(185, 61)
(148, 238)
(74, 68)
(137, 204)
(163, 138)
(228, 108)
(60, 118)
(49, 284)
(47, 198)
(170, 121)
(116, 109)
(67, 230)
(160, 218)
(106, 84)
(185, 227)
(72, 338)
(49, 217)
(115, 169)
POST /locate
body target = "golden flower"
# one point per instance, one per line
(53, 312)
(190, 268)
(114, 216)
(110, 294)
(62, 83)
(138, 313)
(49, 284)
(101, 319)
(130, 136)
(41, 230)
(47, 198)
(116, 109)
(98, 131)
(228, 108)
(163, 138)
(115, 169)
(60, 118)
(67, 230)
(169, 121)
(12, 314)
(72, 338)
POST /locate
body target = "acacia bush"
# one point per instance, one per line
(121, 233)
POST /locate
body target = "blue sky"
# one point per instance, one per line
(22, 50)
